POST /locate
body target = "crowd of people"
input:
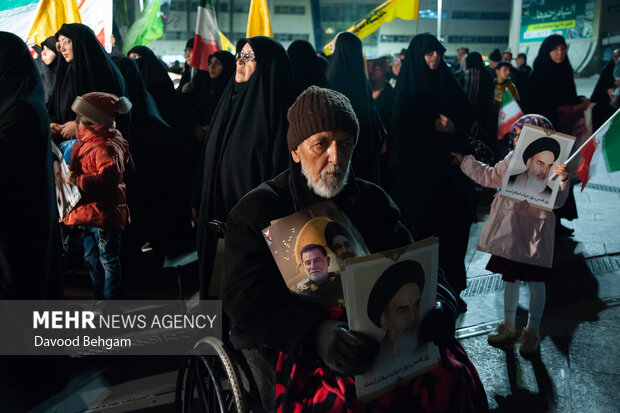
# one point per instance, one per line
(260, 135)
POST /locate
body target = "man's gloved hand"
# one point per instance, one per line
(439, 324)
(344, 351)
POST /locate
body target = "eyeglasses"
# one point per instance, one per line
(247, 57)
(62, 44)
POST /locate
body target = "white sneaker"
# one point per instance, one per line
(502, 336)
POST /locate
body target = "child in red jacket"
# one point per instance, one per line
(98, 162)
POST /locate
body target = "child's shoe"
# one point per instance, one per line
(529, 343)
(502, 336)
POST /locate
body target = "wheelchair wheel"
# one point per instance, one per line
(210, 383)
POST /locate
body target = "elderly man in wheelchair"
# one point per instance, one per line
(302, 356)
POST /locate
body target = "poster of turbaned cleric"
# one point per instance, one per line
(387, 296)
(310, 248)
(529, 173)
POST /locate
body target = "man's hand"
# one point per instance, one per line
(561, 171)
(68, 130)
(458, 158)
(55, 128)
(344, 351)
(444, 124)
(70, 178)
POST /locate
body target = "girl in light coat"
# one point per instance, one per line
(520, 238)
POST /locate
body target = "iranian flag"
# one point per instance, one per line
(207, 38)
(601, 153)
(509, 112)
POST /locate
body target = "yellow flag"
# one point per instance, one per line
(50, 16)
(403, 9)
(227, 44)
(259, 23)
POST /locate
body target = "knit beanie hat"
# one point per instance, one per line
(319, 110)
(99, 108)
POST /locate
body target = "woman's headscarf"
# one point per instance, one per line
(228, 70)
(346, 74)
(155, 75)
(426, 92)
(550, 84)
(50, 43)
(246, 144)
(207, 94)
(29, 253)
(48, 72)
(91, 70)
(307, 67)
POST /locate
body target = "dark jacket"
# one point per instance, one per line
(255, 296)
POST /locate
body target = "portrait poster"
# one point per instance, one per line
(310, 248)
(67, 195)
(387, 295)
(537, 152)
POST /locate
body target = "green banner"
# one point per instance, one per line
(572, 19)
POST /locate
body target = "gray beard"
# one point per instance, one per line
(535, 186)
(326, 186)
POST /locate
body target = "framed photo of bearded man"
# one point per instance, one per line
(537, 152)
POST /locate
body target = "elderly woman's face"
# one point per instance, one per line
(65, 47)
(558, 54)
(246, 64)
(432, 59)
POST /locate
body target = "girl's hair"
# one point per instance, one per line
(533, 119)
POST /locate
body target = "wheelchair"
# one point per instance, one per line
(223, 382)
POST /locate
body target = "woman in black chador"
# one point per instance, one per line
(246, 144)
(430, 117)
(83, 67)
(48, 65)
(154, 191)
(480, 91)
(346, 74)
(29, 238)
(307, 66)
(158, 83)
(221, 69)
(550, 86)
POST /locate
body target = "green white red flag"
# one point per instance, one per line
(601, 153)
(207, 38)
(509, 113)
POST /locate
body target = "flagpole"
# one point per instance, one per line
(593, 135)
(570, 158)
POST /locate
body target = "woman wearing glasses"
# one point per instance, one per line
(246, 144)
(83, 67)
